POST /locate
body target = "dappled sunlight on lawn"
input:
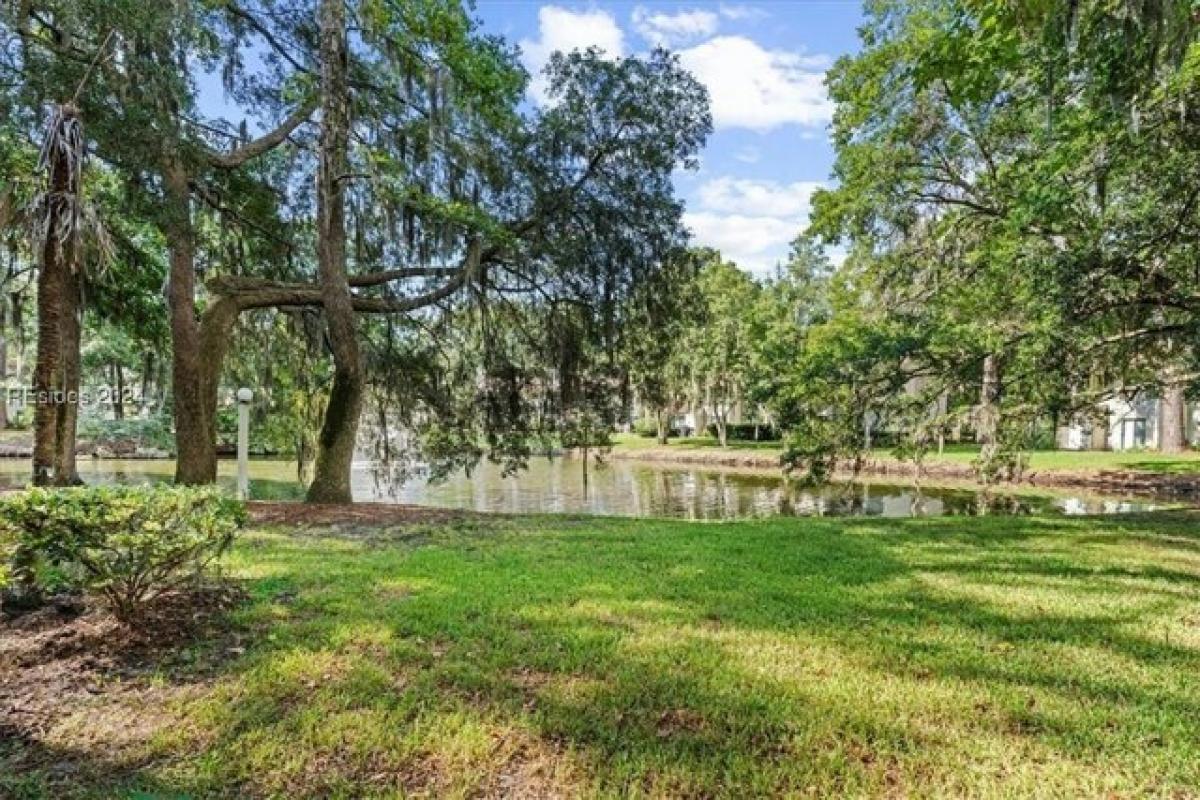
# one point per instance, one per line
(1012, 657)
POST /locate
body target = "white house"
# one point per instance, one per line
(1132, 425)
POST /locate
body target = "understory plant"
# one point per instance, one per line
(126, 544)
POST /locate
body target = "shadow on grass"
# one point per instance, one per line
(666, 658)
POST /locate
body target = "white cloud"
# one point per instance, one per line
(752, 87)
(744, 196)
(666, 30)
(748, 155)
(565, 30)
(751, 222)
(740, 12)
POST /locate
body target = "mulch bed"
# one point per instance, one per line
(62, 657)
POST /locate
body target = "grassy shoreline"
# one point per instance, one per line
(564, 656)
(767, 453)
(1146, 474)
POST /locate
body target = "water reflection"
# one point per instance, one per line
(630, 488)
(622, 488)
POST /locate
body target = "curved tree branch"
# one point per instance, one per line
(264, 143)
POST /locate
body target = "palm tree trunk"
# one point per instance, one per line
(63, 163)
(66, 472)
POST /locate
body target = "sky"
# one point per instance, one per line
(763, 64)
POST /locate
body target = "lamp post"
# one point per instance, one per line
(244, 396)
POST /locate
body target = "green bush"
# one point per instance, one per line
(149, 432)
(128, 544)
(648, 429)
(748, 432)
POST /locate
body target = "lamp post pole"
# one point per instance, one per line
(244, 396)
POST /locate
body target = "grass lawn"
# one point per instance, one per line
(1040, 460)
(534, 657)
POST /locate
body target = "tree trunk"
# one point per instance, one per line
(118, 387)
(1100, 415)
(3, 361)
(722, 430)
(988, 416)
(661, 423)
(1172, 437)
(66, 472)
(339, 429)
(57, 258)
(147, 380)
(703, 401)
(195, 431)
(943, 406)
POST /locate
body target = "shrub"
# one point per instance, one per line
(748, 432)
(128, 544)
(645, 428)
(150, 432)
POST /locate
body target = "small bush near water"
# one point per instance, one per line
(127, 544)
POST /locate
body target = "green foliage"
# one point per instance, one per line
(128, 544)
(1015, 185)
(748, 432)
(645, 428)
(661, 316)
(144, 432)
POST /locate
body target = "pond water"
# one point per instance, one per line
(624, 488)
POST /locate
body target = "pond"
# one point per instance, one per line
(626, 488)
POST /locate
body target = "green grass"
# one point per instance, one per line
(994, 657)
(1040, 460)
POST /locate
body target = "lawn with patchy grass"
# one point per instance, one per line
(542, 657)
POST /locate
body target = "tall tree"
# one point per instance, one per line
(58, 222)
(339, 431)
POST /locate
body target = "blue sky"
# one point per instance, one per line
(763, 64)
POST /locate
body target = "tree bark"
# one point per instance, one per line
(147, 380)
(339, 429)
(661, 422)
(57, 257)
(66, 472)
(118, 389)
(3, 360)
(195, 431)
(1172, 437)
(988, 416)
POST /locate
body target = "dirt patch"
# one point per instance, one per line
(78, 690)
(317, 514)
(529, 769)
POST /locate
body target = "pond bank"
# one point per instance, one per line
(1141, 482)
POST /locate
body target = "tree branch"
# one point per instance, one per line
(264, 143)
